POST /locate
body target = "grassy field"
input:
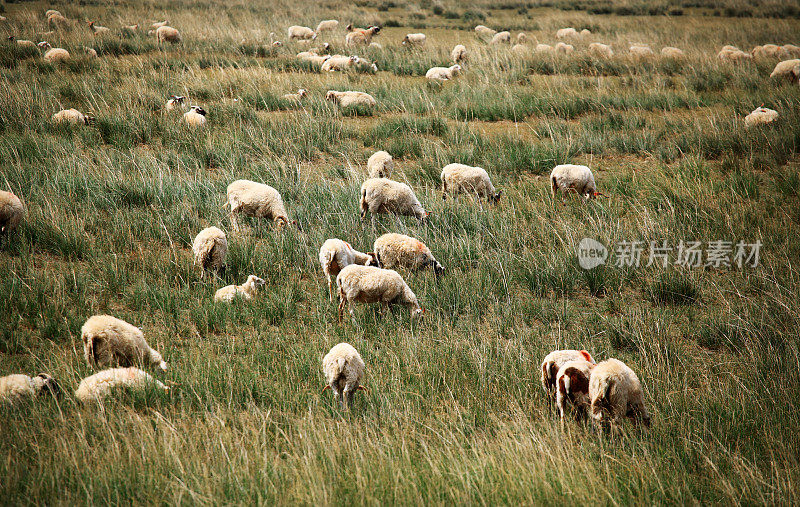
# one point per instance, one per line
(455, 413)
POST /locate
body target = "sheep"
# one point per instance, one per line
(501, 38)
(520, 50)
(195, 117)
(363, 37)
(51, 12)
(72, 116)
(577, 178)
(368, 284)
(350, 98)
(129, 29)
(414, 40)
(98, 386)
(671, 52)
(563, 33)
(382, 195)
(339, 62)
(484, 31)
(572, 387)
(565, 48)
(210, 248)
(255, 200)
(11, 212)
(323, 49)
(344, 371)
(17, 387)
(760, 116)
(296, 97)
(461, 178)
(22, 42)
(585, 33)
(327, 25)
(159, 24)
(90, 52)
(601, 50)
(380, 164)
(398, 250)
(615, 392)
(99, 30)
(787, 69)
(459, 53)
(791, 50)
(110, 341)
(522, 38)
(767, 51)
(245, 291)
(544, 48)
(335, 254)
(57, 21)
(317, 59)
(54, 55)
(175, 102)
(443, 73)
(301, 33)
(729, 48)
(553, 362)
(168, 34)
(734, 54)
(640, 50)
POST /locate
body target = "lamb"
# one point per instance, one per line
(564, 48)
(168, 34)
(256, 200)
(175, 102)
(461, 178)
(640, 50)
(72, 116)
(414, 40)
(380, 164)
(362, 37)
(787, 69)
(382, 195)
(398, 250)
(110, 341)
(301, 33)
(99, 30)
(601, 50)
(522, 38)
(443, 73)
(210, 248)
(98, 386)
(671, 52)
(544, 48)
(553, 362)
(350, 98)
(368, 284)
(576, 178)
(296, 97)
(327, 25)
(344, 372)
(11, 212)
(572, 387)
(760, 116)
(17, 387)
(246, 291)
(767, 51)
(195, 117)
(501, 38)
(615, 392)
(335, 254)
(459, 54)
(53, 55)
(485, 31)
(566, 32)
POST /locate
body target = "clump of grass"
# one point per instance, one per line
(674, 287)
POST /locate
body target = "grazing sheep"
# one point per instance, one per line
(301, 33)
(344, 371)
(327, 25)
(459, 54)
(553, 362)
(520, 50)
(335, 255)
(129, 29)
(382, 195)
(72, 116)
(522, 38)
(575, 178)
(11, 212)
(501, 38)
(768, 51)
(22, 42)
(585, 33)
(51, 12)
(787, 69)
(461, 178)
(108, 341)
(256, 200)
(53, 55)
(566, 32)
(443, 73)
(398, 250)
(544, 48)
(168, 34)
(246, 291)
(615, 392)
(296, 97)
(563, 48)
(159, 24)
(350, 98)
(601, 50)
(90, 52)
(671, 52)
(414, 40)
(17, 387)
(57, 21)
(99, 30)
(175, 102)
(362, 37)
(760, 116)
(98, 386)
(640, 50)
(210, 248)
(485, 31)
(572, 387)
(195, 117)
(339, 63)
(368, 284)
(734, 54)
(380, 164)
(791, 50)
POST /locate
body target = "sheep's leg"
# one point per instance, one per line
(352, 313)
(342, 302)
(330, 288)
(234, 222)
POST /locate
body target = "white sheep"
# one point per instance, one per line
(129, 29)
(566, 32)
(174, 102)
(246, 291)
(553, 362)
(522, 38)
(11, 212)
(99, 30)
(361, 36)
(459, 53)
(168, 34)
(22, 42)
(572, 387)
(90, 52)
(768, 51)
(72, 116)
(585, 33)
(380, 164)
(327, 25)
(110, 341)
(210, 248)
(461, 178)
(485, 31)
(575, 178)
(760, 116)
(98, 386)
(672, 52)
(339, 62)
(601, 50)
(791, 50)
(344, 371)
(398, 250)
(301, 33)
(382, 195)
(787, 69)
(316, 59)
(640, 50)
(503, 37)
(350, 98)
(296, 97)
(734, 54)
(564, 48)
(18, 387)
(443, 73)
(414, 40)
(368, 284)
(256, 200)
(544, 48)
(615, 392)
(335, 255)
(520, 50)
(195, 117)
(51, 12)
(54, 55)
(57, 21)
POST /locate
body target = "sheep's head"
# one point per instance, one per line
(88, 118)
(199, 110)
(374, 30)
(44, 45)
(326, 47)
(494, 199)
(256, 281)
(418, 313)
(302, 92)
(277, 44)
(455, 69)
(11, 38)
(372, 260)
(349, 27)
(332, 96)
(281, 222)
(438, 269)
(354, 60)
(47, 384)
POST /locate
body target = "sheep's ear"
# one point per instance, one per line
(586, 355)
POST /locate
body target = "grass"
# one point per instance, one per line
(454, 414)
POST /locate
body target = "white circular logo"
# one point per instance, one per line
(591, 253)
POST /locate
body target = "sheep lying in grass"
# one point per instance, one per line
(11, 212)
(553, 362)
(380, 164)
(368, 284)
(339, 63)
(574, 178)
(98, 386)
(414, 40)
(296, 97)
(459, 53)
(175, 102)
(256, 200)
(99, 30)
(398, 250)
(461, 178)
(315, 59)
(443, 73)
(760, 116)
(54, 55)
(485, 31)
(601, 50)
(671, 52)
(296, 32)
(18, 387)
(615, 392)
(787, 69)
(73, 117)
(350, 98)
(544, 48)
(565, 49)
(503, 37)
(22, 42)
(108, 341)
(168, 34)
(195, 117)
(361, 37)
(210, 248)
(731, 53)
(382, 195)
(563, 33)
(572, 387)
(335, 255)
(344, 372)
(246, 291)
(327, 25)
(640, 50)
